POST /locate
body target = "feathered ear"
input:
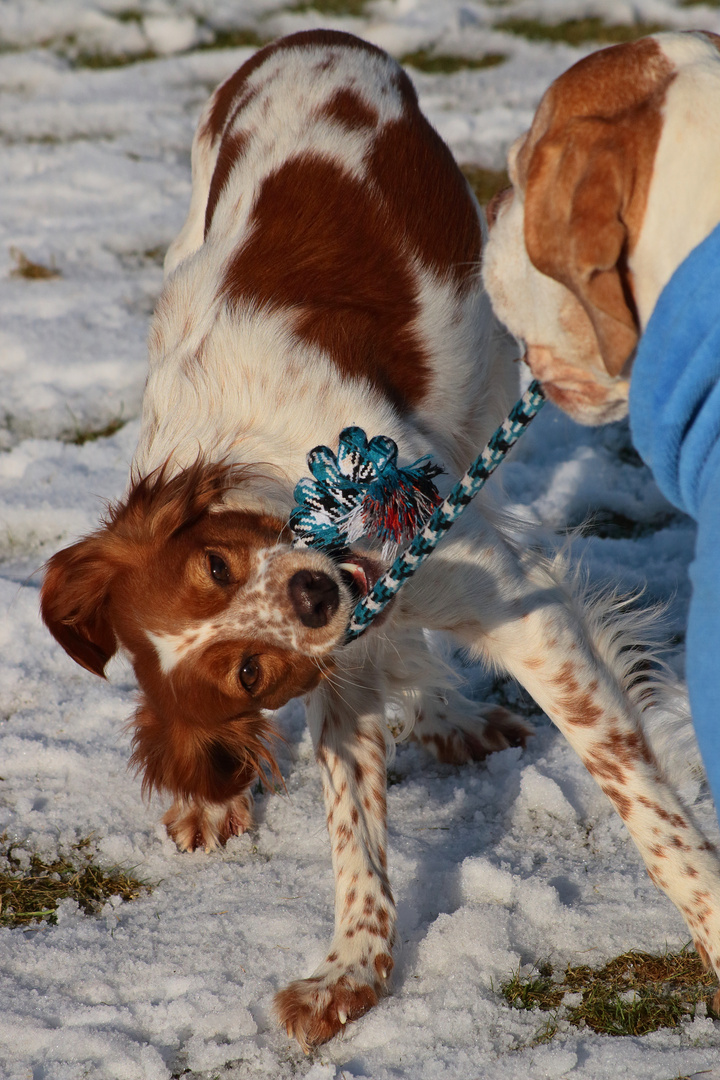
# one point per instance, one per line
(159, 505)
(212, 763)
(576, 208)
(74, 602)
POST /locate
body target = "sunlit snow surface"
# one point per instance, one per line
(494, 866)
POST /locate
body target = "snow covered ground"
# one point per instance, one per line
(495, 867)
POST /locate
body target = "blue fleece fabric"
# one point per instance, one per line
(675, 424)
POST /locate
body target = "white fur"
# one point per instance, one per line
(239, 387)
(684, 202)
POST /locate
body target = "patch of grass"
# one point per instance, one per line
(30, 891)
(442, 64)
(578, 31)
(698, 3)
(130, 15)
(485, 182)
(331, 7)
(233, 39)
(631, 995)
(87, 435)
(25, 268)
(100, 61)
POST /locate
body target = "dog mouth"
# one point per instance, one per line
(358, 573)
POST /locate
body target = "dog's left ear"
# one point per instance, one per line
(75, 601)
(579, 189)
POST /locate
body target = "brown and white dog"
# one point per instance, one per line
(327, 275)
(614, 185)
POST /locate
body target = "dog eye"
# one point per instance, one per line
(249, 673)
(219, 569)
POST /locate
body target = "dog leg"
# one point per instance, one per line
(578, 663)
(195, 823)
(347, 723)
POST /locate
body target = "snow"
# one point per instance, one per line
(495, 867)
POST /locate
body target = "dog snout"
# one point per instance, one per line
(315, 597)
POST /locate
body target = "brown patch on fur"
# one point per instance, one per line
(347, 108)
(578, 705)
(231, 150)
(598, 764)
(234, 93)
(623, 803)
(675, 820)
(354, 295)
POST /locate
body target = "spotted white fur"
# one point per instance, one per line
(236, 385)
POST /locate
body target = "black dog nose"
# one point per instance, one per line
(315, 597)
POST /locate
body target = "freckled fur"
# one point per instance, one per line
(248, 371)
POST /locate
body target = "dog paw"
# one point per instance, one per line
(469, 732)
(314, 1010)
(194, 824)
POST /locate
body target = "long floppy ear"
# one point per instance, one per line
(74, 602)
(586, 168)
(212, 763)
(577, 204)
(159, 504)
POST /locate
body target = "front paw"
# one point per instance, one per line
(314, 1010)
(195, 824)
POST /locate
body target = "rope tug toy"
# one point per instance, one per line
(361, 492)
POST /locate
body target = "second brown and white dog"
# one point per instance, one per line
(327, 275)
(613, 186)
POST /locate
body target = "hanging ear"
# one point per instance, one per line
(159, 505)
(210, 761)
(74, 602)
(577, 204)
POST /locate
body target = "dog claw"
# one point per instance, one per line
(342, 1016)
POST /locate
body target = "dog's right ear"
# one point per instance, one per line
(74, 602)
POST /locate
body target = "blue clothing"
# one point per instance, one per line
(675, 425)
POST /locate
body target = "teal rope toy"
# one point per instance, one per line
(360, 491)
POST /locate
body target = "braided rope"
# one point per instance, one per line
(461, 495)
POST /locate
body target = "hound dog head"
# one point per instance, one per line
(612, 187)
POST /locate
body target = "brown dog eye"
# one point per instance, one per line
(249, 673)
(219, 569)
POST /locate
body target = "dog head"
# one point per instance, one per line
(599, 216)
(221, 618)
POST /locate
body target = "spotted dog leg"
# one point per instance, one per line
(584, 684)
(195, 823)
(455, 730)
(346, 721)
(577, 658)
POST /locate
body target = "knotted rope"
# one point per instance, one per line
(360, 491)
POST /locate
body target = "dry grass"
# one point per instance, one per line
(31, 891)
(631, 995)
(578, 31)
(234, 39)
(331, 7)
(87, 435)
(443, 64)
(25, 268)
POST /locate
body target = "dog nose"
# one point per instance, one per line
(315, 597)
